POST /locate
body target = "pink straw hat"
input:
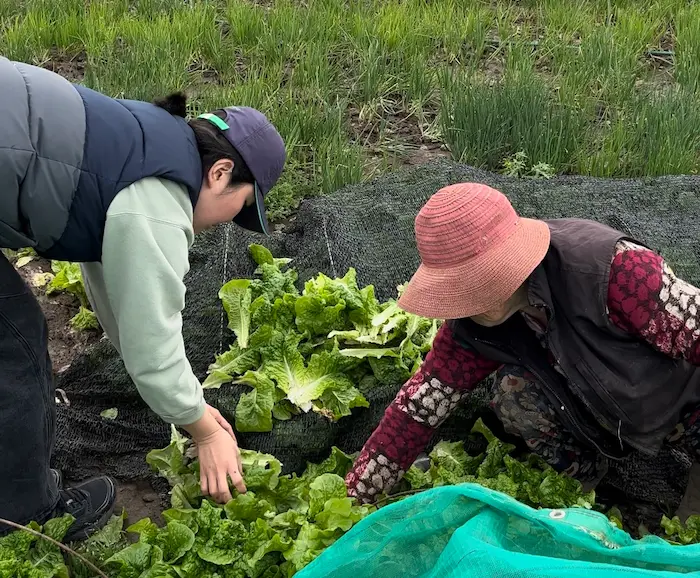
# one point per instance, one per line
(475, 252)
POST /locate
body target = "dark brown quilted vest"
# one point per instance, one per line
(618, 392)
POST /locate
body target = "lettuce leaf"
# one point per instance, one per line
(338, 462)
(303, 385)
(260, 471)
(325, 487)
(262, 256)
(248, 507)
(680, 533)
(218, 540)
(316, 316)
(254, 409)
(328, 305)
(67, 279)
(236, 296)
(169, 462)
(134, 560)
(235, 361)
(310, 542)
(84, 319)
(263, 540)
(273, 283)
(338, 401)
(341, 514)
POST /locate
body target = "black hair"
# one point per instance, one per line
(211, 143)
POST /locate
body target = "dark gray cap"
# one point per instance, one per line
(262, 149)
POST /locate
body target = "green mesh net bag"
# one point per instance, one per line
(468, 531)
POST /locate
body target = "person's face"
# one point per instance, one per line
(504, 311)
(218, 201)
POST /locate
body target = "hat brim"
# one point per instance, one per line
(254, 217)
(484, 283)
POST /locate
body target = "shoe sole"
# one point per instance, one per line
(88, 530)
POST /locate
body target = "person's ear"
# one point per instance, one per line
(219, 174)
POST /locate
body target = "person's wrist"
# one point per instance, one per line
(203, 429)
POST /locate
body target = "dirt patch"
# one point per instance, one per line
(71, 67)
(65, 343)
(404, 135)
(139, 500)
(660, 62)
(426, 154)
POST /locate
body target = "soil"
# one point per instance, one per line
(70, 66)
(65, 343)
(398, 132)
(139, 500)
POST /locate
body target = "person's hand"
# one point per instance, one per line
(219, 456)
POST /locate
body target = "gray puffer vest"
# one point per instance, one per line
(65, 153)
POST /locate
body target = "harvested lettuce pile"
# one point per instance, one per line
(310, 350)
(273, 530)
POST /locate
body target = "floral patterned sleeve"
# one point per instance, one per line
(447, 375)
(645, 298)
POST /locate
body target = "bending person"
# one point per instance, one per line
(121, 187)
(593, 339)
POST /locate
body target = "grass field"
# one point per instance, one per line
(606, 88)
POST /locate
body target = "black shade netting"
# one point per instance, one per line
(368, 226)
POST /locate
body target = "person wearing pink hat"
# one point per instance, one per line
(593, 340)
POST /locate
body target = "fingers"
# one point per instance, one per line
(223, 494)
(204, 484)
(237, 479)
(239, 460)
(219, 459)
(216, 485)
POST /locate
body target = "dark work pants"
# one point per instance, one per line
(27, 407)
(524, 410)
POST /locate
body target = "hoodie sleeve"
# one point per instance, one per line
(138, 294)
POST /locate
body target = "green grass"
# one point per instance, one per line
(355, 87)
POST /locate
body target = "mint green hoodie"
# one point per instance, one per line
(138, 294)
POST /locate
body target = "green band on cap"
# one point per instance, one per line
(215, 120)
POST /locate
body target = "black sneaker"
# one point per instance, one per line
(90, 503)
